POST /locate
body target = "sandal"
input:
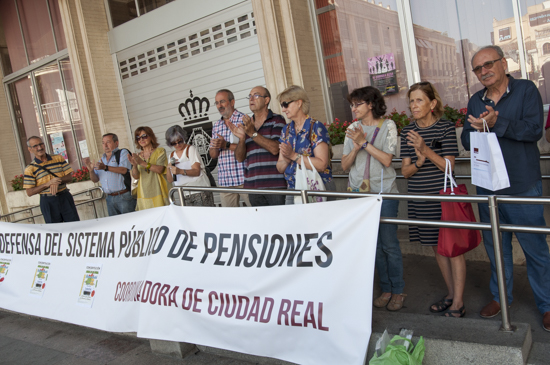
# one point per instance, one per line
(441, 305)
(396, 304)
(451, 313)
(381, 301)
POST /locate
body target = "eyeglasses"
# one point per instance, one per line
(285, 104)
(356, 105)
(488, 65)
(41, 144)
(179, 141)
(256, 96)
(143, 136)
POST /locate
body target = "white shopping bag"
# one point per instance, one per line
(308, 180)
(488, 168)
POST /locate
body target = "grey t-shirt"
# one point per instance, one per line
(386, 141)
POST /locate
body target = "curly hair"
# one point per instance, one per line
(371, 96)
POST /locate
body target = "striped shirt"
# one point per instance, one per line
(35, 176)
(261, 165)
(230, 171)
(441, 138)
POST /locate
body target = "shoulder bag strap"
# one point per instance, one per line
(45, 169)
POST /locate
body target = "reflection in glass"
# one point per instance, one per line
(351, 32)
(445, 44)
(535, 19)
(57, 25)
(11, 38)
(37, 29)
(25, 112)
(56, 114)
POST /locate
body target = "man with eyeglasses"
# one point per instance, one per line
(113, 171)
(258, 147)
(230, 171)
(513, 111)
(48, 175)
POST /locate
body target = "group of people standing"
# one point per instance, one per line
(263, 152)
(512, 109)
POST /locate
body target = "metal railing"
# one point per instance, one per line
(29, 211)
(457, 159)
(494, 226)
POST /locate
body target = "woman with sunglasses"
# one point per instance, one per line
(187, 167)
(425, 144)
(303, 136)
(149, 166)
(369, 147)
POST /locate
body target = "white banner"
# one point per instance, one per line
(288, 282)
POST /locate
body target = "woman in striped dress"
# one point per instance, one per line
(425, 144)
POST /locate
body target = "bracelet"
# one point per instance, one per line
(148, 166)
(297, 158)
(417, 167)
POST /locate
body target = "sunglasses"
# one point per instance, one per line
(179, 141)
(38, 145)
(285, 104)
(488, 65)
(143, 136)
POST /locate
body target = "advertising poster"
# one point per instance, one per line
(58, 145)
(40, 277)
(4, 268)
(89, 285)
(382, 73)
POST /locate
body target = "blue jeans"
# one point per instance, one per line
(389, 262)
(534, 246)
(120, 204)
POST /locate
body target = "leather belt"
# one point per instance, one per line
(119, 192)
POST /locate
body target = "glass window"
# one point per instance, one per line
(453, 37)
(125, 10)
(11, 35)
(37, 29)
(57, 25)
(536, 27)
(361, 44)
(56, 114)
(26, 113)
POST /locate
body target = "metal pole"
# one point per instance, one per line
(499, 262)
(304, 196)
(180, 193)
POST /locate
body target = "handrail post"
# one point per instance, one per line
(303, 193)
(180, 194)
(499, 263)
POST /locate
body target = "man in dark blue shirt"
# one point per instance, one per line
(513, 111)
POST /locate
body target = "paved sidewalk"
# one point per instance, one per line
(30, 340)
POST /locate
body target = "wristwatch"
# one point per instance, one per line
(365, 144)
(106, 168)
(254, 135)
(227, 145)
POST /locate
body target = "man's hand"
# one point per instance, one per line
(249, 128)
(88, 163)
(238, 130)
(219, 142)
(357, 136)
(99, 165)
(490, 117)
(54, 185)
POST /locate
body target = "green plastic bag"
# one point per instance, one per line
(398, 354)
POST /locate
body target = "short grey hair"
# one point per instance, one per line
(230, 95)
(32, 137)
(175, 132)
(497, 49)
(114, 136)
